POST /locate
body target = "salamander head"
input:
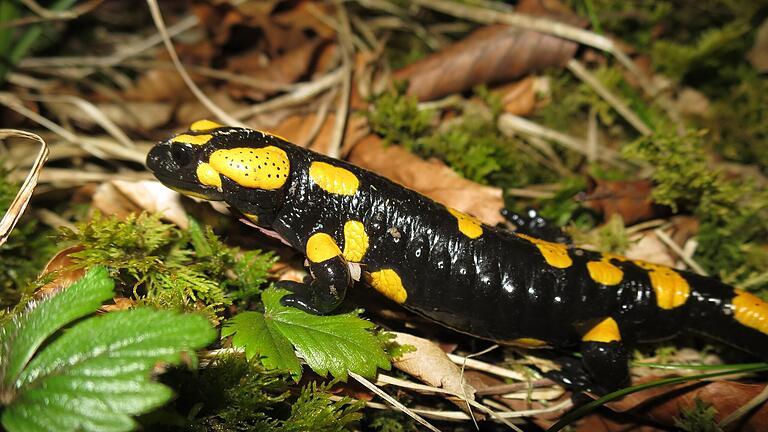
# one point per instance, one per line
(246, 168)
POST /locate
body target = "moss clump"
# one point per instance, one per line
(470, 144)
(168, 268)
(698, 418)
(732, 213)
(232, 394)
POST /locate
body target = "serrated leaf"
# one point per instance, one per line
(335, 343)
(252, 332)
(22, 336)
(98, 373)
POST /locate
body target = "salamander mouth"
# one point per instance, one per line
(190, 188)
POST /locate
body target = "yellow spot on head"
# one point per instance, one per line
(321, 247)
(252, 217)
(529, 343)
(555, 254)
(468, 225)
(672, 290)
(388, 283)
(606, 330)
(255, 168)
(355, 241)
(192, 139)
(334, 179)
(750, 311)
(603, 272)
(208, 176)
(203, 125)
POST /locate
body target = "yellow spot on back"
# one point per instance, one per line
(255, 168)
(202, 125)
(529, 343)
(555, 254)
(388, 283)
(321, 247)
(334, 179)
(355, 241)
(606, 330)
(208, 176)
(192, 139)
(604, 272)
(468, 225)
(750, 311)
(672, 290)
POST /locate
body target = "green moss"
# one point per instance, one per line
(698, 418)
(471, 144)
(168, 268)
(732, 212)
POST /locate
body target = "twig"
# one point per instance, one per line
(509, 123)
(580, 71)
(342, 111)
(12, 102)
(50, 15)
(744, 409)
(667, 240)
(20, 202)
(157, 17)
(394, 402)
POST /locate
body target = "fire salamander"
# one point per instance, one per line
(485, 281)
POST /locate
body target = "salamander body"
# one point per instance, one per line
(441, 263)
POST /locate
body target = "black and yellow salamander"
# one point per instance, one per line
(444, 264)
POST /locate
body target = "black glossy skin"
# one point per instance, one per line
(497, 286)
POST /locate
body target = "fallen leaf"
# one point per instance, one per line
(519, 97)
(285, 69)
(631, 199)
(63, 280)
(121, 198)
(490, 54)
(431, 178)
(158, 85)
(298, 130)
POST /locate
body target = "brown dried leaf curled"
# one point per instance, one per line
(491, 54)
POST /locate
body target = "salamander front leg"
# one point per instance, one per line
(605, 357)
(328, 281)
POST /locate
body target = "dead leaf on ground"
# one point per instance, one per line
(298, 130)
(492, 54)
(285, 69)
(553, 9)
(63, 280)
(158, 85)
(663, 404)
(431, 178)
(121, 198)
(519, 97)
(631, 199)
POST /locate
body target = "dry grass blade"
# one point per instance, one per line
(205, 100)
(12, 102)
(11, 217)
(394, 402)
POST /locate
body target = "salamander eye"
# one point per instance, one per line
(183, 155)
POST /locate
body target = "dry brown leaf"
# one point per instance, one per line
(663, 404)
(519, 97)
(631, 199)
(285, 69)
(431, 178)
(430, 365)
(646, 246)
(121, 198)
(63, 280)
(298, 130)
(158, 85)
(553, 9)
(490, 54)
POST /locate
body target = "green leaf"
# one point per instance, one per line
(23, 336)
(253, 333)
(97, 373)
(334, 344)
